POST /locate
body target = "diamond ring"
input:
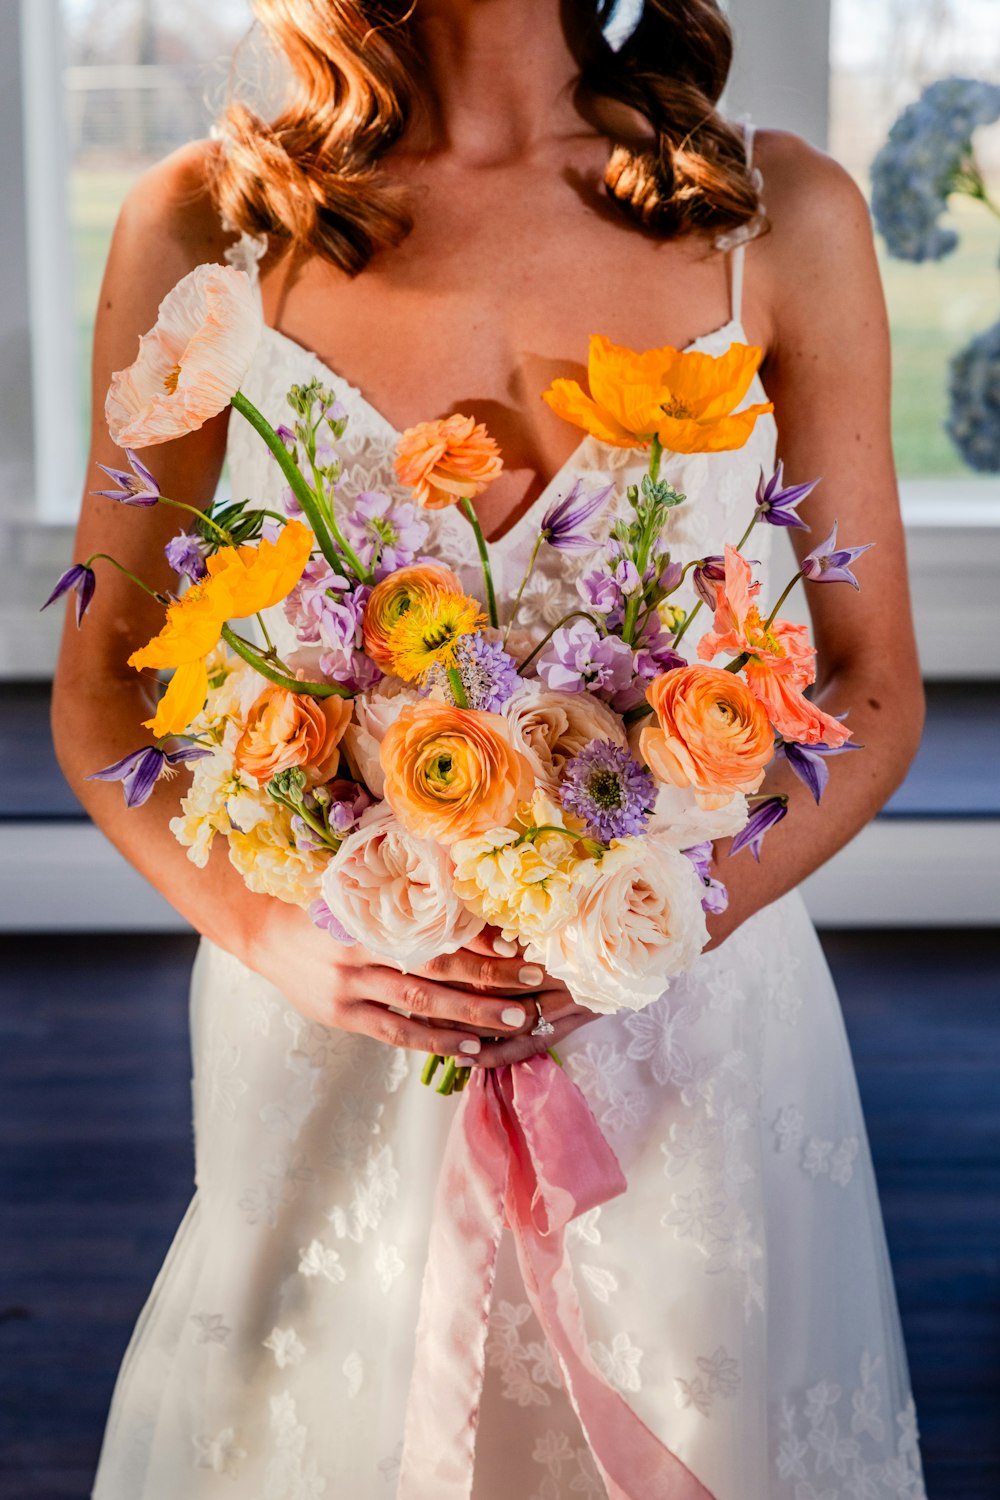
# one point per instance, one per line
(542, 1027)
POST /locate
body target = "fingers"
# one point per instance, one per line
(517, 1048)
(374, 1020)
(485, 971)
(490, 942)
(440, 1004)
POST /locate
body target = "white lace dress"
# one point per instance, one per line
(739, 1294)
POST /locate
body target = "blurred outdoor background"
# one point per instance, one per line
(95, 1149)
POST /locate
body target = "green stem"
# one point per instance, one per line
(685, 623)
(784, 595)
(265, 633)
(457, 687)
(434, 1061)
(517, 597)
(655, 454)
(738, 662)
(447, 1084)
(465, 505)
(202, 516)
(302, 491)
(281, 679)
(575, 614)
(163, 599)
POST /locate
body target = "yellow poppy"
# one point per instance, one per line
(241, 581)
(683, 397)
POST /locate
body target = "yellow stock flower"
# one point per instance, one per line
(241, 581)
(685, 398)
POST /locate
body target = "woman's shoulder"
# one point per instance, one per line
(806, 193)
(169, 222)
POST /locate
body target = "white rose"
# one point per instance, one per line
(677, 816)
(639, 923)
(395, 893)
(374, 712)
(549, 728)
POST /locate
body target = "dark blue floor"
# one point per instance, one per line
(95, 1172)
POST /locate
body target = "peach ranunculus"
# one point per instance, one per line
(781, 660)
(684, 397)
(639, 922)
(446, 461)
(390, 600)
(192, 361)
(550, 727)
(395, 893)
(285, 729)
(711, 735)
(451, 773)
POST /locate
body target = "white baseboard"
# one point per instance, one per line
(66, 877)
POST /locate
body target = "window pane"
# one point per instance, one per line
(884, 52)
(142, 78)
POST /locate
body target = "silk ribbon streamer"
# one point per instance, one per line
(524, 1149)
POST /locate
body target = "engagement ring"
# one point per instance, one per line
(542, 1027)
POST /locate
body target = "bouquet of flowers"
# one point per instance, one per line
(405, 764)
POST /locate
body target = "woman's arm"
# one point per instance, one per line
(813, 283)
(168, 226)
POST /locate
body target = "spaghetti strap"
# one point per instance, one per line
(737, 246)
(245, 254)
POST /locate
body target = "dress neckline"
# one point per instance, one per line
(733, 326)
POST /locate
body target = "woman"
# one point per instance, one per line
(456, 196)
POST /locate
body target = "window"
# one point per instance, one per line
(883, 53)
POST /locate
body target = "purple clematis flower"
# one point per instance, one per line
(809, 762)
(564, 524)
(137, 488)
(83, 580)
(778, 506)
(715, 898)
(764, 816)
(185, 554)
(709, 572)
(829, 563)
(139, 771)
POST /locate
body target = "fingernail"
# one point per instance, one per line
(531, 975)
(513, 1015)
(504, 947)
(471, 1046)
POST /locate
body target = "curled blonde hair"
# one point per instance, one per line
(311, 176)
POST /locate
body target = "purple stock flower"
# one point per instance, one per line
(715, 898)
(325, 610)
(578, 658)
(323, 917)
(348, 801)
(829, 563)
(599, 591)
(764, 816)
(705, 576)
(185, 554)
(137, 488)
(385, 533)
(140, 770)
(83, 580)
(779, 506)
(809, 762)
(610, 790)
(564, 524)
(655, 651)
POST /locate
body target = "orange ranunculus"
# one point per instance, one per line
(191, 362)
(781, 660)
(685, 398)
(390, 600)
(241, 581)
(286, 729)
(447, 460)
(451, 773)
(712, 734)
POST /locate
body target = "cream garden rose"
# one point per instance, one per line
(375, 712)
(395, 893)
(638, 923)
(549, 728)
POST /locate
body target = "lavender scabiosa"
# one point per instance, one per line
(609, 790)
(386, 534)
(489, 675)
(185, 553)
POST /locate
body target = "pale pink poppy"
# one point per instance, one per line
(191, 362)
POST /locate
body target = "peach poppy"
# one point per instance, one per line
(782, 662)
(390, 600)
(446, 461)
(240, 581)
(285, 729)
(685, 398)
(712, 735)
(191, 362)
(451, 773)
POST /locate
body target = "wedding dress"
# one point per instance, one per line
(739, 1294)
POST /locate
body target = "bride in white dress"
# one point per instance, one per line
(739, 1294)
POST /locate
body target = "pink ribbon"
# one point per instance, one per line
(524, 1149)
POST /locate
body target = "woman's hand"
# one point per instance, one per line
(446, 1007)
